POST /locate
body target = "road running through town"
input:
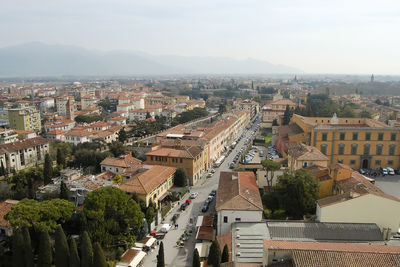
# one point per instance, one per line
(182, 257)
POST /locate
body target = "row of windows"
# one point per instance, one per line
(377, 162)
(342, 136)
(226, 219)
(354, 149)
(164, 159)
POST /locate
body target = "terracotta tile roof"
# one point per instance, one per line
(226, 240)
(80, 133)
(55, 132)
(350, 247)
(205, 233)
(27, 143)
(238, 191)
(124, 161)
(354, 187)
(102, 134)
(338, 166)
(118, 118)
(311, 153)
(148, 179)
(175, 152)
(5, 208)
(310, 258)
(99, 124)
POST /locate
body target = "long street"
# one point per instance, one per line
(182, 257)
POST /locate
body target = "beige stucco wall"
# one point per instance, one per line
(363, 209)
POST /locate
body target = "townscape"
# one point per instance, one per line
(213, 133)
(205, 172)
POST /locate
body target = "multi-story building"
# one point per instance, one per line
(150, 182)
(238, 200)
(89, 102)
(25, 153)
(193, 158)
(357, 142)
(66, 106)
(275, 109)
(27, 119)
(8, 136)
(251, 106)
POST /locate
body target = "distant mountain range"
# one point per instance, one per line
(38, 59)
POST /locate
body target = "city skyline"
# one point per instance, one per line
(356, 37)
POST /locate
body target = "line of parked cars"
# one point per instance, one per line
(382, 171)
(209, 199)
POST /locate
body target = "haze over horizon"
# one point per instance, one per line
(356, 37)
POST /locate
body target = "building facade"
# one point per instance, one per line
(26, 119)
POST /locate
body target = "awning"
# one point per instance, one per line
(132, 257)
(203, 249)
(139, 257)
(148, 241)
(205, 233)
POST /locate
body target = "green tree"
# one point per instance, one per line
(86, 250)
(88, 118)
(297, 192)
(28, 254)
(18, 258)
(160, 256)
(45, 256)
(214, 256)
(222, 108)
(117, 179)
(270, 167)
(98, 256)
(61, 257)
(347, 112)
(180, 177)
(150, 212)
(196, 258)
(287, 115)
(64, 191)
(44, 215)
(225, 254)
(378, 101)
(110, 214)
(122, 135)
(48, 169)
(74, 260)
(2, 169)
(117, 148)
(60, 157)
(365, 114)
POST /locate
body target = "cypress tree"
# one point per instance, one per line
(60, 157)
(47, 169)
(2, 169)
(196, 258)
(86, 250)
(18, 249)
(44, 256)
(64, 191)
(74, 260)
(225, 254)
(27, 247)
(214, 256)
(98, 258)
(61, 246)
(160, 256)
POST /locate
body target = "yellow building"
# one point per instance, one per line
(194, 159)
(150, 183)
(357, 142)
(325, 181)
(26, 119)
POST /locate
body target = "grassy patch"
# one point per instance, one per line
(165, 209)
(268, 139)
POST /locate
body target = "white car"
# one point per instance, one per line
(193, 195)
(390, 171)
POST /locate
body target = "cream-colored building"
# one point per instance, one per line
(26, 119)
(360, 201)
(275, 109)
(301, 156)
(150, 182)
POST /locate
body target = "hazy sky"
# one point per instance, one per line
(317, 36)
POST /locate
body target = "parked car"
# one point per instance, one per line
(183, 206)
(204, 208)
(232, 165)
(384, 171)
(165, 228)
(157, 235)
(193, 195)
(213, 192)
(188, 201)
(209, 175)
(390, 171)
(210, 198)
(362, 171)
(212, 171)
